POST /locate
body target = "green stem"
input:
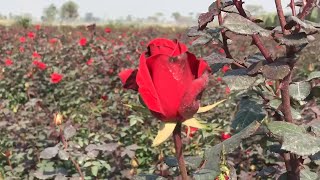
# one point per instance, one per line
(179, 151)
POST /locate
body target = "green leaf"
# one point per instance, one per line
(306, 25)
(249, 111)
(49, 152)
(94, 170)
(193, 161)
(294, 138)
(205, 174)
(69, 132)
(300, 90)
(240, 25)
(147, 177)
(313, 75)
(306, 174)
(276, 70)
(63, 155)
(202, 40)
(171, 161)
(294, 39)
(212, 154)
(275, 103)
(217, 61)
(239, 80)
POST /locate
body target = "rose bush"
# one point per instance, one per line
(170, 80)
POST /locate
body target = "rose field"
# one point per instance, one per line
(231, 100)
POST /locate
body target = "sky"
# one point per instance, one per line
(111, 9)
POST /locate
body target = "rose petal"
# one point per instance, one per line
(166, 47)
(146, 87)
(128, 79)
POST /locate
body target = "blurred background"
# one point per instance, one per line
(141, 12)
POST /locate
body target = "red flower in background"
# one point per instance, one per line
(40, 64)
(22, 39)
(170, 80)
(8, 62)
(36, 55)
(21, 49)
(56, 78)
(227, 90)
(53, 41)
(82, 41)
(219, 79)
(31, 35)
(225, 68)
(90, 61)
(38, 27)
(104, 98)
(225, 136)
(192, 132)
(221, 51)
(107, 30)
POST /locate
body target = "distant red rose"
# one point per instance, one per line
(219, 79)
(192, 132)
(82, 41)
(104, 98)
(170, 80)
(225, 136)
(21, 49)
(40, 64)
(22, 39)
(227, 90)
(90, 61)
(56, 78)
(31, 35)
(221, 51)
(225, 68)
(270, 83)
(53, 41)
(37, 26)
(36, 55)
(107, 30)
(8, 62)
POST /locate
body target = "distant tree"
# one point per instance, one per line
(176, 16)
(69, 11)
(50, 13)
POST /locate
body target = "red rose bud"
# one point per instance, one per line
(225, 136)
(219, 79)
(31, 35)
(170, 80)
(221, 51)
(192, 131)
(22, 39)
(8, 62)
(90, 61)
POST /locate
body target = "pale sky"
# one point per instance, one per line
(110, 9)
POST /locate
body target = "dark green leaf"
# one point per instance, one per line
(300, 90)
(313, 75)
(212, 154)
(276, 70)
(239, 80)
(294, 39)
(249, 111)
(240, 25)
(49, 152)
(69, 132)
(216, 61)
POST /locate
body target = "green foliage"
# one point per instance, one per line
(69, 11)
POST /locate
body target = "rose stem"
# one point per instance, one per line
(179, 153)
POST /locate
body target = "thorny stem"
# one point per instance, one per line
(223, 33)
(256, 39)
(307, 9)
(291, 160)
(293, 8)
(179, 152)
